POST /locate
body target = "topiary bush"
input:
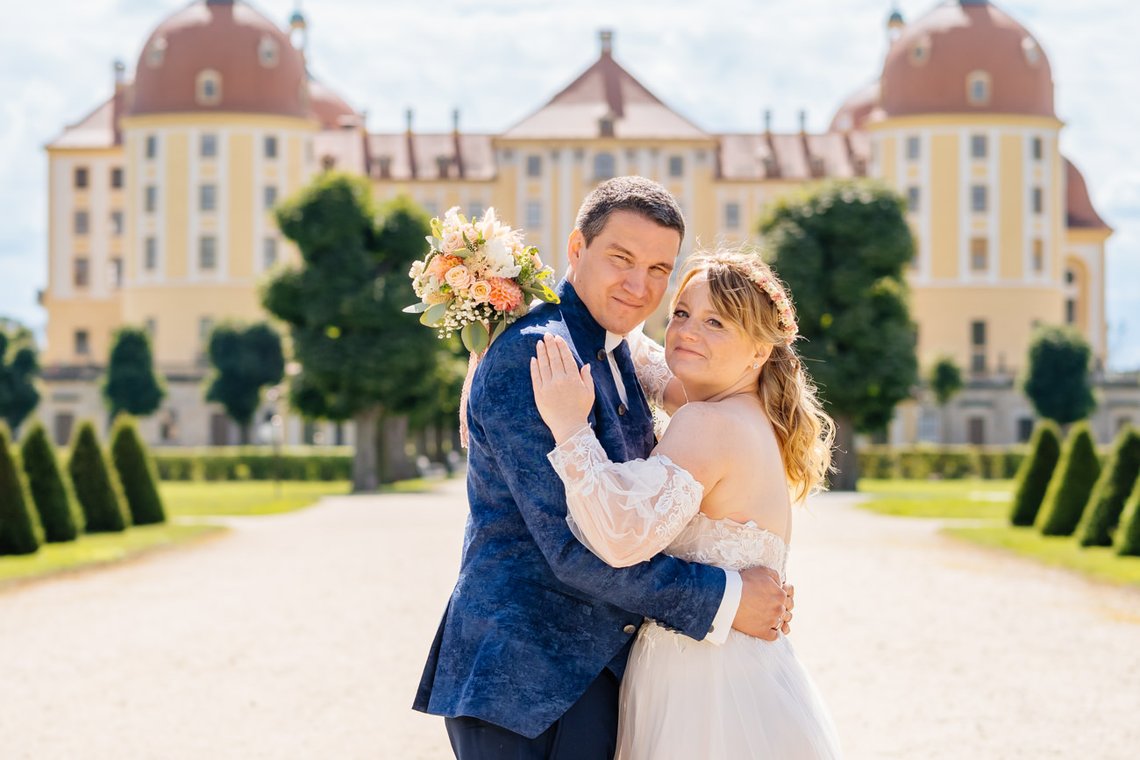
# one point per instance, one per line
(1128, 537)
(1071, 484)
(96, 484)
(136, 472)
(1035, 472)
(1102, 513)
(20, 529)
(324, 463)
(50, 488)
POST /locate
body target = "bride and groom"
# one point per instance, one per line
(618, 594)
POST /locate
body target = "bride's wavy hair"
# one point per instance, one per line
(805, 432)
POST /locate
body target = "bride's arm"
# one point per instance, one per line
(661, 388)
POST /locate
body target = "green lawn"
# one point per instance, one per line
(250, 497)
(988, 501)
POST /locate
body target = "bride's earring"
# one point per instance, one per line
(755, 365)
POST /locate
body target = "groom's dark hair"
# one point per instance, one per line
(637, 194)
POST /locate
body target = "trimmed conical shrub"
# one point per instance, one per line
(1071, 484)
(136, 472)
(1102, 513)
(20, 530)
(1128, 538)
(51, 489)
(1035, 472)
(96, 484)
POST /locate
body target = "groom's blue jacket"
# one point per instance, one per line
(534, 616)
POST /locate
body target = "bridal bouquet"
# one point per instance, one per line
(477, 278)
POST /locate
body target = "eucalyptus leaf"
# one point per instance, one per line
(499, 329)
(434, 315)
(475, 337)
(416, 308)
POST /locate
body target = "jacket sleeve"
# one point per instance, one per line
(504, 420)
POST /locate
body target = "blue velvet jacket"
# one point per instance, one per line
(535, 617)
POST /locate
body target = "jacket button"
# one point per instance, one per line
(601, 354)
(630, 629)
(622, 410)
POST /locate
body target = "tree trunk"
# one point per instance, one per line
(365, 474)
(943, 423)
(845, 459)
(244, 428)
(438, 449)
(393, 456)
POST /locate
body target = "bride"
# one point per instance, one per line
(718, 489)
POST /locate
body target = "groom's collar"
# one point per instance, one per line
(579, 320)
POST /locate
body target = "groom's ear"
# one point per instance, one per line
(575, 245)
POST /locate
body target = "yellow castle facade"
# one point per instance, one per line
(161, 199)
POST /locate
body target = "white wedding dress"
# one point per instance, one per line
(681, 698)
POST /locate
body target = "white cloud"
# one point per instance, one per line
(720, 63)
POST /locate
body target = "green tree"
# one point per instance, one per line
(50, 488)
(1102, 513)
(132, 386)
(18, 371)
(945, 383)
(245, 360)
(1071, 484)
(1057, 380)
(842, 248)
(137, 472)
(1128, 542)
(20, 529)
(96, 484)
(1035, 473)
(362, 358)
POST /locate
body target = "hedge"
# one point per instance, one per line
(1102, 513)
(20, 529)
(96, 484)
(1035, 473)
(1128, 540)
(255, 463)
(925, 461)
(51, 488)
(136, 472)
(1071, 484)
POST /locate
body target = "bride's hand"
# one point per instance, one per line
(564, 395)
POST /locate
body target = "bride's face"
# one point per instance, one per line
(704, 349)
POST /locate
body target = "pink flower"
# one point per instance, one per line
(458, 277)
(505, 295)
(481, 291)
(441, 265)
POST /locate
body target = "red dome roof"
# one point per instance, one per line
(928, 68)
(856, 110)
(329, 108)
(253, 66)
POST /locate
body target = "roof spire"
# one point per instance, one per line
(606, 37)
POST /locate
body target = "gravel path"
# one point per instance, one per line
(303, 636)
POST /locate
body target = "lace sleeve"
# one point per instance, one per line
(623, 512)
(649, 363)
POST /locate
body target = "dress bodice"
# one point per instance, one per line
(729, 544)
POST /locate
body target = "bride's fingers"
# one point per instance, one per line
(557, 358)
(587, 378)
(535, 378)
(543, 361)
(568, 363)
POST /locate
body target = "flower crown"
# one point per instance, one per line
(787, 319)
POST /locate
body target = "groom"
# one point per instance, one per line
(532, 647)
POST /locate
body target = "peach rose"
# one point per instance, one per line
(440, 265)
(458, 277)
(481, 291)
(505, 295)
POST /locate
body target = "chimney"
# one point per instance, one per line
(606, 36)
(767, 121)
(803, 122)
(120, 69)
(408, 120)
(455, 120)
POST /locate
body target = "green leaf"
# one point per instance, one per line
(475, 337)
(416, 308)
(434, 315)
(500, 328)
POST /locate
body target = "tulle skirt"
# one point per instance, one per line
(744, 699)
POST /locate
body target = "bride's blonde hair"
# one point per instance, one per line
(746, 292)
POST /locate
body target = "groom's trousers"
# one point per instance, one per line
(587, 731)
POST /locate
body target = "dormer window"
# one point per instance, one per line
(385, 165)
(978, 88)
(267, 52)
(156, 52)
(606, 126)
(1031, 50)
(208, 88)
(920, 51)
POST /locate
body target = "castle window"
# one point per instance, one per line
(604, 167)
(116, 223)
(82, 223)
(116, 272)
(1038, 255)
(207, 253)
(1032, 51)
(978, 346)
(978, 146)
(979, 254)
(676, 166)
(913, 148)
(82, 343)
(534, 166)
(269, 196)
(1070, 277)
(116, 178)
(150, 254)
(208, 88)
(1038, 149)
(978, 88)
(150, 201)
(208, 146)
(269, 253)
(1070, 311)
(82, 272)
(269, 146)
(151, 146)
(207, 197)
(979, 198)
(267, 52)
(732, 216)
(81, 178)
(1038, 200)
(533, 214)
(913, 198)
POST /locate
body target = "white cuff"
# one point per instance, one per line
(729, 604)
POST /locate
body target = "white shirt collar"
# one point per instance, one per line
(613, 340)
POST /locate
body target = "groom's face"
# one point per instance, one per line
(621, 276)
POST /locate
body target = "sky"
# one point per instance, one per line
(718, 62)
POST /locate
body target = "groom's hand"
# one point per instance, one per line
(765, 605)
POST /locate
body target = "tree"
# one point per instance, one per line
(1057, 380)
(1128, 542)
(132, 385)
(245, 359)
(1035, 473)
(842, 249)
(1102, 514)
(18, 371)
(1071, 484)
(362, 358)
(96, 484)
(136, 472)
(50, 488)
(945, 382)
(20, 529)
